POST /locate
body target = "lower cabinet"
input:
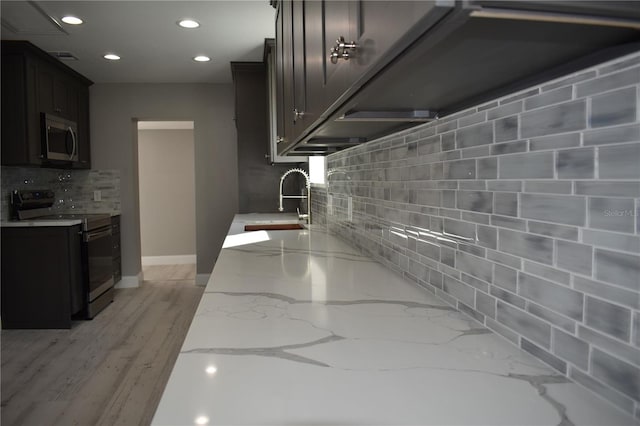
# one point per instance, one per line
(115, 240)
(42, 285)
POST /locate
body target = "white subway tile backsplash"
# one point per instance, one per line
(526, 166)
(525, 216)
(561, 118)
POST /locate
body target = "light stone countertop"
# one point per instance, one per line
(48, 222)
(39, 223)
(297, 328)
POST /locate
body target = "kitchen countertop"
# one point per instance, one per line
(297, 328)
(47, 222)
(39, 222)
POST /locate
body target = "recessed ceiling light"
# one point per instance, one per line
(112, 57)
(188, 23)
(202, 58)
(201, 420)
(71, 20)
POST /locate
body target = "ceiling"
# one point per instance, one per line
(145, 34)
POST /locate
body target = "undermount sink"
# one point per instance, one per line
(273, 227)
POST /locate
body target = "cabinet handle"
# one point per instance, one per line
(279, 139)
(342, 50)
(297, 115)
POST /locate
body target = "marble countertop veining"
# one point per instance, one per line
(298, 328)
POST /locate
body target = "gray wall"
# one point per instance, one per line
(167, 192)
(258, 180)
(114, 107)
(522, 213)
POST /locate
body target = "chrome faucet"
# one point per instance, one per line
(306, 216)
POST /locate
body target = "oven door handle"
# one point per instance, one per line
(92, 236)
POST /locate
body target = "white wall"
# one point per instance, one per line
(114, 109)
(167, 192)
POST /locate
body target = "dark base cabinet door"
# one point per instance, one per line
(116, 252)
(42, 285)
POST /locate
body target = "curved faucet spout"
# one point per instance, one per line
(302, 196)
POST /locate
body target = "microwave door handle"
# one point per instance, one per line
(75, 143)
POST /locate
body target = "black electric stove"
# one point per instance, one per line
(36, 205)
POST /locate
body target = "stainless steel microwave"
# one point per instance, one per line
(59, 138)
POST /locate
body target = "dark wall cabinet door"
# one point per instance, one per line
(379, 28)
(325, 22)
(58, 94)
(20, 114)
(299, 113)
(33, 83)
(291, 76)
(42, 282)
(288, 87)
(280, 75)
(84, 144)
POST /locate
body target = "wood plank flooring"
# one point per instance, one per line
(108, 371)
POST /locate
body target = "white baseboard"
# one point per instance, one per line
(169, 260)
(130, 281)
(202, 279)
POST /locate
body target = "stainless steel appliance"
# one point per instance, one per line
(59, 139)
(97, 256)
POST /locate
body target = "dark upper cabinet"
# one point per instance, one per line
(377, 28)
(20, 112)
(326, 81)
(319, 71)
(334, 22)
(84, 138)
(33, 83)
(291, 65)
(280, 76)
(288, 94)
(358, 70)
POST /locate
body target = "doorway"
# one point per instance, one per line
(166, 168)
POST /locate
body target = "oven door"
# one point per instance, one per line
(99, 263)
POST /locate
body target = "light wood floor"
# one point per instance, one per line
(107, 371)
(169, 272)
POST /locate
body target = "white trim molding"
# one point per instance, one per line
(183, 259)
(130, 281)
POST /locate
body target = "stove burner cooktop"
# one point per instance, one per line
(36, 205)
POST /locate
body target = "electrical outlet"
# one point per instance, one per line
(97, 195)
(350, 209)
